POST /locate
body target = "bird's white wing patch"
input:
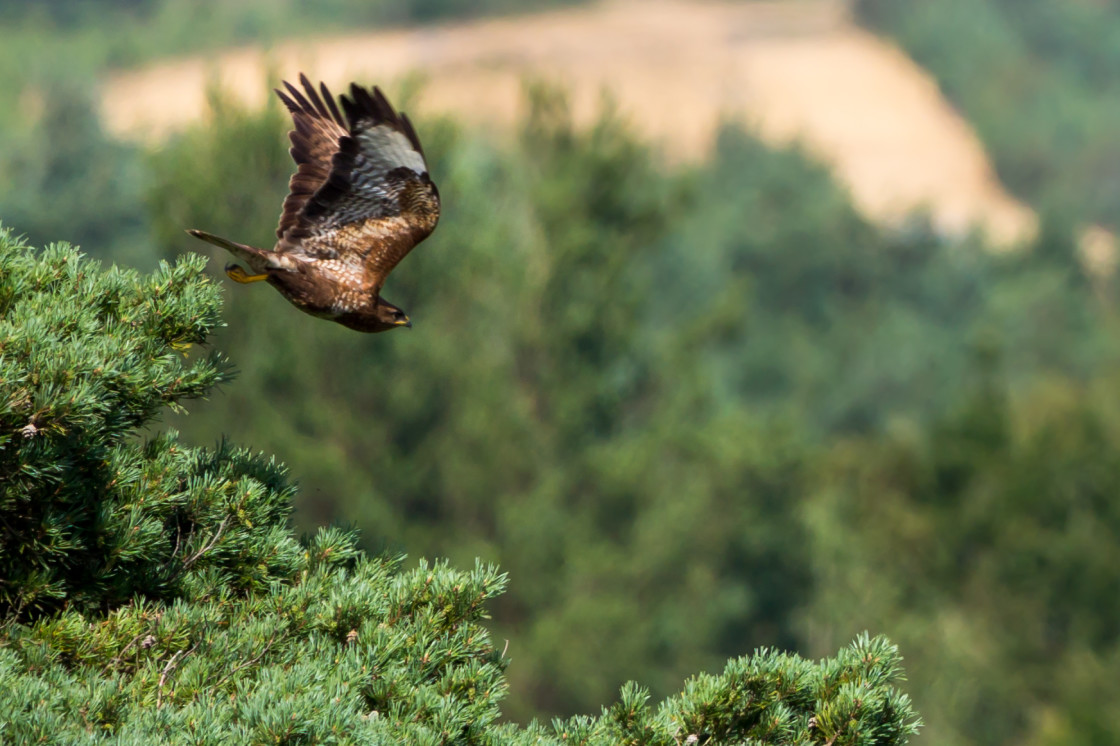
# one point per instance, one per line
(383, 148)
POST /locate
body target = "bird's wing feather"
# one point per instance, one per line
(318, 128)
(378, 200)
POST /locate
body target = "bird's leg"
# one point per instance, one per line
(237, 274)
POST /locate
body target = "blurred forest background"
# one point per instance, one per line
(691, 408)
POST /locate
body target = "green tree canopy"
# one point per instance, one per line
(151, 592)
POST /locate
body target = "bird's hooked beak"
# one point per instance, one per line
(405, 322)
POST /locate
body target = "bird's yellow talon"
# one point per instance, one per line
(237, 274)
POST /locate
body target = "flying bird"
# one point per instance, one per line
(359, 201)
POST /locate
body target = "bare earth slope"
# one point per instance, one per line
(792, 69)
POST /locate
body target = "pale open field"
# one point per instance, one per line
(790, 69)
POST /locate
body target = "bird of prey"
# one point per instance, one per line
(360, 199)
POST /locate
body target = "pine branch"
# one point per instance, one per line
(253, 661)
(217, 535)
(171, 665)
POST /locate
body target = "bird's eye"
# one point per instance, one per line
(398, 315)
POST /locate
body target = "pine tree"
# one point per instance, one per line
(154, 593)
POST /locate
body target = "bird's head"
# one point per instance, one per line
(390, 315)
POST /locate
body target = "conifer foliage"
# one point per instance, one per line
(151, 592)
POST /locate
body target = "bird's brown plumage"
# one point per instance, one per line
(360, 200)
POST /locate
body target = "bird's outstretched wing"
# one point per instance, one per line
(376, 200)
(318, 128)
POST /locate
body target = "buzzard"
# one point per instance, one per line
(360, 199)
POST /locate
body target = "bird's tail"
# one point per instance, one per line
(257, 259)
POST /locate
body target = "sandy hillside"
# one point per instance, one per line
(792, 69)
